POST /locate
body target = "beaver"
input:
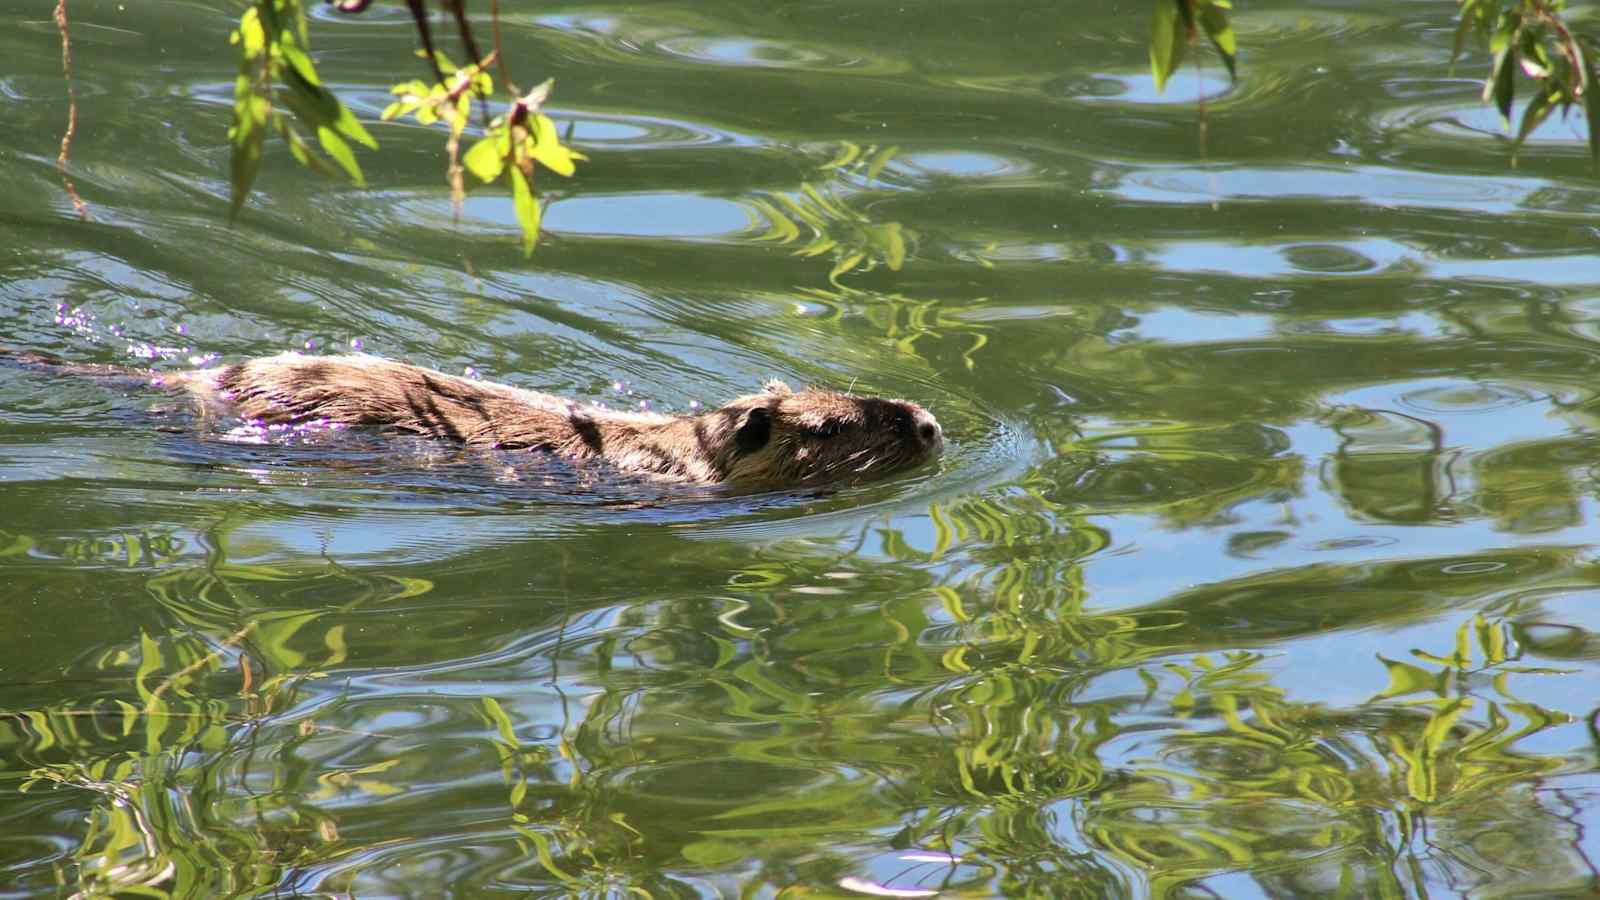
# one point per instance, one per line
(776, 438)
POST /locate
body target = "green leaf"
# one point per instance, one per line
(250, 112)
(527, 206)
(300, 62)
(1502, 84)
(250, 34)
(1492, 637)
(891, 240)
(317, 107)
(301, 151)
(348, 125)
(548, 150)
(880, 161)
(484, 160)
(502, 722)
(1505, 32)
(443, 62)
(848, 151)
(1405, 678)
(1220, 31)
(1439, 725)
(1167, 41)
(714, 853)
(1464, 645)
(845, 264)
(335, 147)
(1591, 103)
(1591, 116)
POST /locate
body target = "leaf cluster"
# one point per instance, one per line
(851, 238)
(511, 144)
(275, 72)
(1175, 26)
(1520, 35)
(1529, 35)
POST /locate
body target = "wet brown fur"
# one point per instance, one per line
(777, 437)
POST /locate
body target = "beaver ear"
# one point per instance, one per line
(775, 386)
(755, 429)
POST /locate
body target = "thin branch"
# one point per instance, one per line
(78, 205)
(505, 71)
(419, 14)
(183, 674)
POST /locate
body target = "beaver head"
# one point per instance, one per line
(784, 436)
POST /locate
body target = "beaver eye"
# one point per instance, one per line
(926, 432)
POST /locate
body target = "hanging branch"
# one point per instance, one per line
(62, 158)
(277, 71)
(1521, 35)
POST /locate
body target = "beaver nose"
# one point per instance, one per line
(927, 427)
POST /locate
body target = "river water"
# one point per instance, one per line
(1261, 560)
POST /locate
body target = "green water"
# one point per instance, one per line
(1262, 559)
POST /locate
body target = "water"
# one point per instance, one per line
(1261, 560)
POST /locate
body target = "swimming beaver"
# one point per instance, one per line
(776, 438)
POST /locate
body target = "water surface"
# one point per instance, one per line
(1262, 560)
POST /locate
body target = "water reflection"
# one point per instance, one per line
(1260, 560)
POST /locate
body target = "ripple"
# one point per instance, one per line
(1176, 325)
(1579, 269)
(703, 784)
(1329, 259)
(679, 216)
(1378, 185)
(1456, 405)
(376, 14)
(917, 873)
(1479, 567)
(755, 53)
(638, 36)
(1154, 482)
(1266, 261)
(1140, 89)
(24, 88)
(1354, 542)
(644, 133)
(675, 215)
(1276, 29)
(1462, 398)
(1420, 325)
(1382, 432)
(964, 164)
(1248, 544)
(1474, 122)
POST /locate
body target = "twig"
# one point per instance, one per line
(78, 205)
(505, 71)
(231, 641)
